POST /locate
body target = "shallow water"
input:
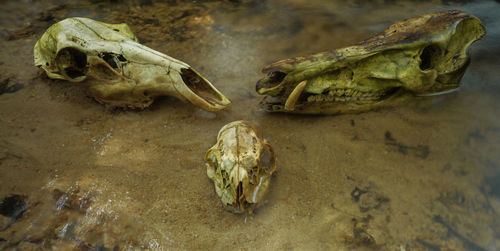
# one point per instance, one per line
(417, 177)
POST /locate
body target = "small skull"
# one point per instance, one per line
(118, 70)
(241, 165)
(421, 56)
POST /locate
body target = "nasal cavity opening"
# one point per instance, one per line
(72, 63)
(273, 79)
(428, 57)
(240, 196)
(200, 86)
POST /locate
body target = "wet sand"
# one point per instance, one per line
(418, 177)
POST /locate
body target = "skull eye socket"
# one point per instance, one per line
(267, 159)
(72, 64)
(429, 56)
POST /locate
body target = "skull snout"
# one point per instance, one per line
(202, 88)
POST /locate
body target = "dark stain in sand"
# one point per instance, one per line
(421, 151)
(13, 206)
(469, 244)
(356, 193)
(6, 88)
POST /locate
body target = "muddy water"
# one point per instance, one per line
(75, 174)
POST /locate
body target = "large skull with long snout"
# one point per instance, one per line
(241, 165)
(421, 56)
(117, 69)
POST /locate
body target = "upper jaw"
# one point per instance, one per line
(341, 99)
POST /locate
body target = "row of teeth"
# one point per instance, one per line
(322, 97)
(353, 93)
(344, 95)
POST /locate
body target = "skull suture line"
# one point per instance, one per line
(421, 56)
(241, 165)
(118, 70)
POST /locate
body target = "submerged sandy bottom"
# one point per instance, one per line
(423, 176)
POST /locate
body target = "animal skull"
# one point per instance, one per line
(240, 164)
(117, 69)
(420, 56)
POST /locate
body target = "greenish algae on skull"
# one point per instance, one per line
(117, 69)
(241, 165)
(421, 56)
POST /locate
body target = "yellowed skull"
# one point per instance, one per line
(420, 56)
(117, 69)
(241, 165)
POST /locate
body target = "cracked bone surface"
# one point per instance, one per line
(116, 69)
(420, 56)
(240, 165)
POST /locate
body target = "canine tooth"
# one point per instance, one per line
(294, 96)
